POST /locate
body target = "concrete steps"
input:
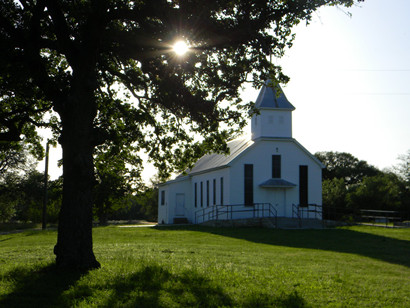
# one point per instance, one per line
(295, 223)
(271, 223)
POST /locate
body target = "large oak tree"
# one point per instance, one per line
(77, 56)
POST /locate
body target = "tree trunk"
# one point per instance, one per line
(74, 248)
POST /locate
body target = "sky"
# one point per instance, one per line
(349, 82)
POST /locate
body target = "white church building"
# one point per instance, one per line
(267, 175)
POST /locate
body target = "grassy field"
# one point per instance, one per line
(209, 267)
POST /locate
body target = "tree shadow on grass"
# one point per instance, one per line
(151, 286)
(283, 300)
(154, 286)
(38, 287)
(378, 247)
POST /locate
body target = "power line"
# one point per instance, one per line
(382, 94)
(375, 70)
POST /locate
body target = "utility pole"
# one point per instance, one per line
(45, 189)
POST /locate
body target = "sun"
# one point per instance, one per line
(180, 48)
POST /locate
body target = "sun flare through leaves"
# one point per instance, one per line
(180, 48)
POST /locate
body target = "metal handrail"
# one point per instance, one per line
(302, 212)
(295, 212)
(316, 209)
(218, 212)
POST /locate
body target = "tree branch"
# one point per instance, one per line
(62, 32)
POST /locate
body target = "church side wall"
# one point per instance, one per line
(163, 204)
(212, 194)
(220, 191)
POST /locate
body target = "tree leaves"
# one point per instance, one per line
(128, 43)
(345, 166)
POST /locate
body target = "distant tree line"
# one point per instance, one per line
(22, 195)
(117, 196)
(350, 184)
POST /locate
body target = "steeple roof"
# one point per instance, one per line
(267, 98)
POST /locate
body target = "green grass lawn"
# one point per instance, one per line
(211, 267)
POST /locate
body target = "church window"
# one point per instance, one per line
(276, 166)
(222, 191)
(162, 197)
(214, 192)
(248, 184)
(303, 185)
(196, 194)
(207, 193)
(202, 195)
(281, 120)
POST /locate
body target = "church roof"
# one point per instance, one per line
(268, 98)
(213, 160)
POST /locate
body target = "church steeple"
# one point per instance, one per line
(275, 114)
